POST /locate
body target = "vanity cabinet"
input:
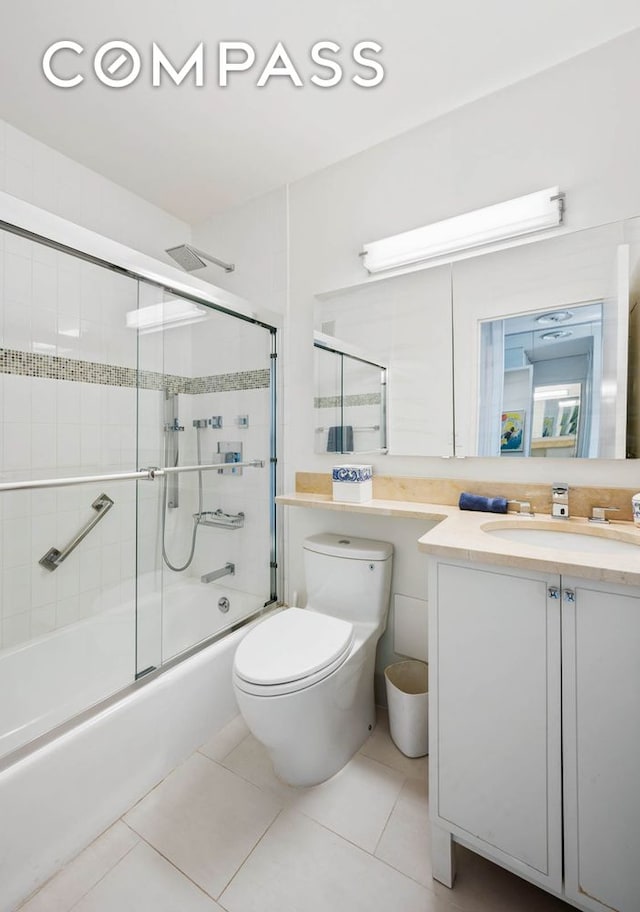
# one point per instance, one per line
(534, 689)
(601, 744)
(495, 716)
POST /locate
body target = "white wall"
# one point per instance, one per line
(572, 125)
(40, 175)
(253, 237)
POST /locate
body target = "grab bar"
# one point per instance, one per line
(227, 570)
(149, 474)
(53, 558)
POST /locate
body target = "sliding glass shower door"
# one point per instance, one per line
(113, 392)
(204, 534)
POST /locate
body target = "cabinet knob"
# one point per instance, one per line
(569, 595)
(553, 592)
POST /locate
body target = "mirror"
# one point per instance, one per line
(541, 348)
(404, 324)
(539, 380)
(516, 394)
(350, 400)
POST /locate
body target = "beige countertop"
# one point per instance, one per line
(463, 535)
(403, 509)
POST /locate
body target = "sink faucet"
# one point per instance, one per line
(598, 514)
(560, 499)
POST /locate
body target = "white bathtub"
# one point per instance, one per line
(58, 798)
(54, 677)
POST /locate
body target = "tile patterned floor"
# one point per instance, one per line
(222, 834)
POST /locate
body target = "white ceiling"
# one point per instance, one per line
(196, 151)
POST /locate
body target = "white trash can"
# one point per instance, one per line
(407, 686)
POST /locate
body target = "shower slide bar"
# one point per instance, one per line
(149, 474)
(54, 557)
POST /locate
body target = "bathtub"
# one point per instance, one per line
(55, 799)
(56, 676)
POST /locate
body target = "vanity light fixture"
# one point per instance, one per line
(547, 393)
(168, 314)
(511, 219)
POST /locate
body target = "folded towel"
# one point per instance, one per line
(482, 504)
(340, 439)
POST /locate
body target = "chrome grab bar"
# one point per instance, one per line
(53, 558)
(149, 474)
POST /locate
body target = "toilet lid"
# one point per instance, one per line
(292, 645)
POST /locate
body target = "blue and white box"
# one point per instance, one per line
(352, 483)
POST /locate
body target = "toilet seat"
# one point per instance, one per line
(291, 651)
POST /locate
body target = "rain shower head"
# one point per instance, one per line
(190, 258)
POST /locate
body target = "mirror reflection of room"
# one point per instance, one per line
(539, 373)
(350, 399)
(404, 325)
(530, 324)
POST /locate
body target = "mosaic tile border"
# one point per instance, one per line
(54, 367)
(355, 399)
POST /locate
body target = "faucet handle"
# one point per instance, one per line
(559, 488)
(524, 505)
(598, 514)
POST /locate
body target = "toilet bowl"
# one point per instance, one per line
(303, 678)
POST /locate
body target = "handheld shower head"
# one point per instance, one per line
(190, 258)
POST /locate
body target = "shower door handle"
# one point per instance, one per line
(53, 558)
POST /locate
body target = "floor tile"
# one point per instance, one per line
(205, 820)
(482, 886)
(251, 761)
(225, 740)
(71, 883)
(300, 865)
(356, 802)
(405, 843)
(145, 882)
(380, 747)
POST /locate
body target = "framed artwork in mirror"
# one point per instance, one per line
(512, 432)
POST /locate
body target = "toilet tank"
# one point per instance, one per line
(348, 577)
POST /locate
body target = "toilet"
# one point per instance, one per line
(303, 678)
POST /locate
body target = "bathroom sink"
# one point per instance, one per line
(594, 539)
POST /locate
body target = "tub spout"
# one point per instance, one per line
(227, 570)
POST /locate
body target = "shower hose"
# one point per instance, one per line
(196, 518)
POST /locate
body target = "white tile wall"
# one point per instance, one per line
(53, 427)
(54, 304)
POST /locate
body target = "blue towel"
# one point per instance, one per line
(482, 504)
(340, 439)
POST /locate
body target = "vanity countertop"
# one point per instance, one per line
(403, 509)
(461, 535)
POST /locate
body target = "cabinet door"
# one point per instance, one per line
(495, 705)
(601, 718)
